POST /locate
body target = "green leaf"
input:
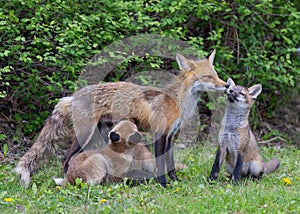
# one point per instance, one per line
(5, 149)
(34, 188)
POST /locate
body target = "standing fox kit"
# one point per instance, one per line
(162, 111)
(237, 143)
(111, 162)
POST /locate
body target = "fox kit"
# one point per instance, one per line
(237, 143)
(106, 164)
(162, 111)
(143, 165)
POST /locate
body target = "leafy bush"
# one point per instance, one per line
(46, 44)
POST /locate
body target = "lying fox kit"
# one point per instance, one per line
(123, 157)
(237, 143)
(143, 165)
(107, 164)
(143, 158)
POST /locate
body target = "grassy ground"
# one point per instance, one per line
(278, 192)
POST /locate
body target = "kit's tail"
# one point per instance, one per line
(272, 165)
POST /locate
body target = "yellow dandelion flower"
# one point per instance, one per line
(142, 200)
(8, 199)
(102, 201)
(287, 181)
(191, 159)
(177, 190)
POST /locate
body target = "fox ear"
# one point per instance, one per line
(230, 82)
(211, 56)
(135, 138)
(184, 64)
(255, 90)
(114, 136)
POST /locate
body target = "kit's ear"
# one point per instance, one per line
(255, 90)
(183, 63)
(114, 136)
(229, 83)
(211, 56)
(135, 138)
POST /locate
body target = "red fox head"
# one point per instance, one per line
(125, 132)
(200, 74)
(240, 96)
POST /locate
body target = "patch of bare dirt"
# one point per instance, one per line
(287, 119)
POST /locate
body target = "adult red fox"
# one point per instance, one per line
(162, 111)
(237, 144)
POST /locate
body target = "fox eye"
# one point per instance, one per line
(242, 93)
(208, 76)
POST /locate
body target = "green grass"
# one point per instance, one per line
(191, 194)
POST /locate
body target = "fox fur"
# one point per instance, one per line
(123, 157)
(143, 159)
(162, 111)
(114, 160)
(237, 143)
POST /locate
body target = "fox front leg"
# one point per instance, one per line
(237, 171)
(170, 159)
(169, 150)
(160, 150)
(220, 156)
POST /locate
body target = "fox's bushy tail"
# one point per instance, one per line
(54, 136)
(271, 166)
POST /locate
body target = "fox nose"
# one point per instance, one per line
(227, 85)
